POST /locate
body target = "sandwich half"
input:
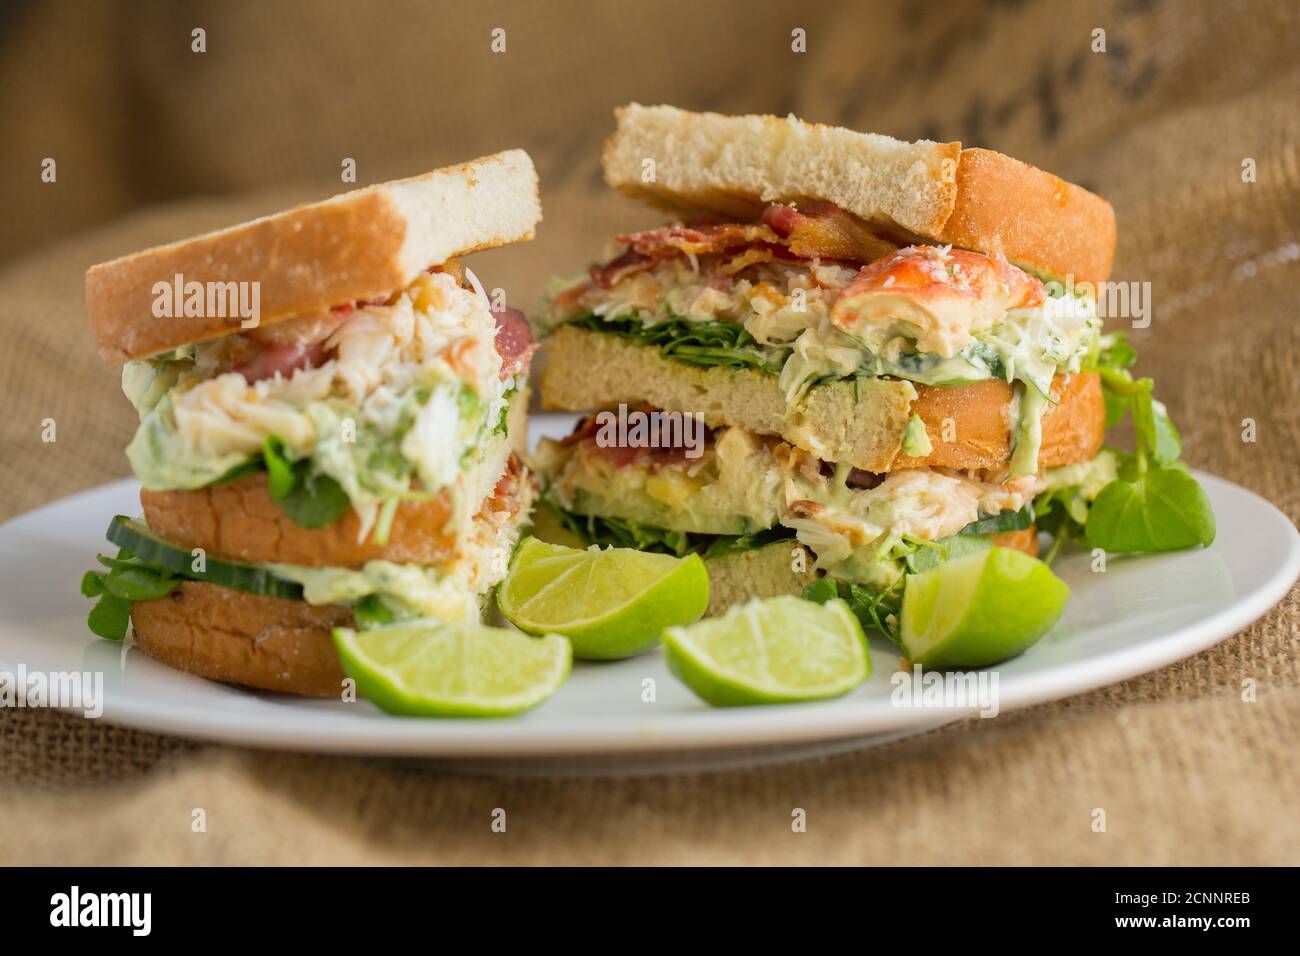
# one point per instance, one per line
(344, 452)
(891, 350)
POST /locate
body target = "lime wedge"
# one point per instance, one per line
(610, 604)
(440, 669)
(770, 652)
(980, 609)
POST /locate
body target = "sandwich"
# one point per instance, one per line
(847, 359)
(332, 414)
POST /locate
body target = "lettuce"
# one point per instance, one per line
(708, 344)
(625, 533)
(1154, 504)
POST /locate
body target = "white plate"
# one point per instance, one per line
(1140, 614)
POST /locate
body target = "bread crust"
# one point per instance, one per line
(247, 639)
(239, 521)
(1073, 429)
(587, 371)
(354, 246)
(1035, 219)
(732, 166)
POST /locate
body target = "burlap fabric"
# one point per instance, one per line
(1161, 123)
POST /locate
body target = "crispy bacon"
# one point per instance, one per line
(668, 241)
(279, 360)
(604, 277)
(816, 230)
(857, 479)
(822, 230)
(505, 496)
(284, 347)
(514, 341)
(804, 508)
(860, 480)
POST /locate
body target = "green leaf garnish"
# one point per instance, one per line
(1154, 504)
(311, 499)
(1164, 510)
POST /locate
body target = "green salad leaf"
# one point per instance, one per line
(372, 611)
(127, 580)
(625, 533)
(1005, 521)
(311, 499)
(1154, 504)
(709, 344)
(723, 545)
(1164, 509)
(875, 609)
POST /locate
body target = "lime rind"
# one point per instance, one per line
(979, 610)
(610, 604)
(740, 658)
(442, 669)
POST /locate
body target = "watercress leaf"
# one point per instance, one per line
(372, 611)
(1121, 382)
(239, 471)
(877, 610)
(725, 544)
(1115, 352)
(1164, 510)
(92, 584)
(315, 502)
(124, 559)
(139, 584)
(1143, 411)
(110, 617)
(1168, 443)
(281, 475)
(821, 591)
(1116, 407)
(1006, 521)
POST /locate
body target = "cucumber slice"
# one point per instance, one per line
(139, 540)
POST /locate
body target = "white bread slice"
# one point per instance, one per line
(357, 245)
(587, 371)
(734, 165)
(731, 166)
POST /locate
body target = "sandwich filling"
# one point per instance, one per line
(380, 401)
(811, 295)
(747, 491)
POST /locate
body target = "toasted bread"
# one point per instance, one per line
(355, 246)
(240, 638)
(732, 166)
(859, 423)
